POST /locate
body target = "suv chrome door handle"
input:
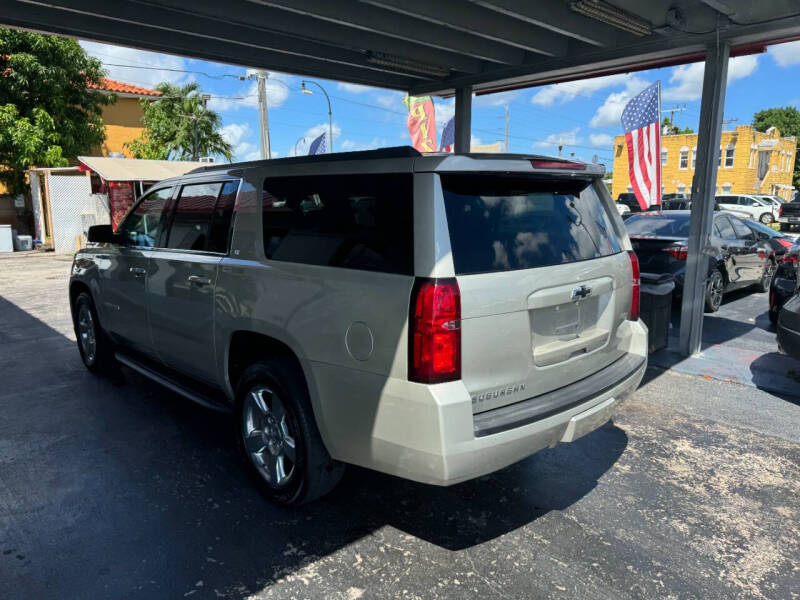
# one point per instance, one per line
(138, 271)
(199, 280)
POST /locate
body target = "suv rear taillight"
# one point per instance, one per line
(435, 331)
(633, 314)
(780, 210)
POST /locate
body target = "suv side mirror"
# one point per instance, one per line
(102, 234)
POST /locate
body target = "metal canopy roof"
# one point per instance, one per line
(422, 46)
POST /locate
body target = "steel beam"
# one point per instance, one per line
(404, 27)
(703, 189)
(483, 23)
(70, 23)
(556, 16)
(463, 120)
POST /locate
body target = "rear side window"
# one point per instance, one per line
(351, 221)
(742, 231)
(501, 223)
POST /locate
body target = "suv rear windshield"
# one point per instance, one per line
(500, 223)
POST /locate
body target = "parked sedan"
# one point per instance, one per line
(784, 284)
(736, 258)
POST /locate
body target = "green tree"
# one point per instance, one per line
(179, 127)
(787, 120)
(674, 129)
(48, 111)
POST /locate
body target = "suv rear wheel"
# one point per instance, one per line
(278, 436)
(96, 350)
(766, 218)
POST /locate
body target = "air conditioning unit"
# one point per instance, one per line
(206, 159)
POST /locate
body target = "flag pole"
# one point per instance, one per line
(658, 157)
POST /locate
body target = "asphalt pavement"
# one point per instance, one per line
(122, 489)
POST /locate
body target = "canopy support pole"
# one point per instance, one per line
(703, 191)
(463, 119)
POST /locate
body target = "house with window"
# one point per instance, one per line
(750, 162)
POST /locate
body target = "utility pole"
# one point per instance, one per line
(672, 112)
(727, 121)
(263, 110)
(506, 128)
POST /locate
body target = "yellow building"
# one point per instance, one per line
(123, 118)
(750, 162)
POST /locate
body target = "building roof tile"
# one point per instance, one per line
(110, 85)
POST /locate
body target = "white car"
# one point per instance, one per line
(622, 209)
(754, 207)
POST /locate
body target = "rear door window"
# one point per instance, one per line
(191, 219)
(219, 238)
(360, 221)
(499, 223)
(742, 231)
(725, 228)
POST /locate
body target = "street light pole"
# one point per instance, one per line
(308, 92)
(302, 139)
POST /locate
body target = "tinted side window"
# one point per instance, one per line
(143, 223)
(352, 221)
(191, 220)
(221, 222)
(742, 230)
(725, 229)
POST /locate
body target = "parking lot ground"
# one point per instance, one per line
(125, 490)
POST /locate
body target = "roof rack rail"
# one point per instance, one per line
(394, 152)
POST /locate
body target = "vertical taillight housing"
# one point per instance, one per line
(633, 314)
(435, 331)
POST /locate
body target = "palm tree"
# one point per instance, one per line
(178, 126)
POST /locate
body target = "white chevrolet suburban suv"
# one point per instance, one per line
(436, 317)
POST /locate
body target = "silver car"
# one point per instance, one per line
(436, 317)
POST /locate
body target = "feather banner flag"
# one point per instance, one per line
(421, 122)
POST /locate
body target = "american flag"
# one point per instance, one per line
(640, 119)
(448, 136)
(317, 146)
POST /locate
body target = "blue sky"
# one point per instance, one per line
(583, 115)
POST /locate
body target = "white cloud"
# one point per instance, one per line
(566, 138)
(119, 55)
(569, 90)
(687, 80)
(247, 151)
(601, 139)
(498, 99)
(277, 94)
(785, 54)
(610, 111)
(444, 111)
(310, 135)
(235, 132)
(354, 88)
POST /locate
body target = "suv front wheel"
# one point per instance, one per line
(96, 350)
(278, 436)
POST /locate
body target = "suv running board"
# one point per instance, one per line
(186, 388)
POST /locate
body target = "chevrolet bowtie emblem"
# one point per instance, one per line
(581, 292)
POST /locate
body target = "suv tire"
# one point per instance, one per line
(714, 290)
(766, 218)
(278, 437)
(97, 351)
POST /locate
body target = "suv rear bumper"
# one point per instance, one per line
(427, 433)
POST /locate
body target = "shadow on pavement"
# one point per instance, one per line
(131, 491)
